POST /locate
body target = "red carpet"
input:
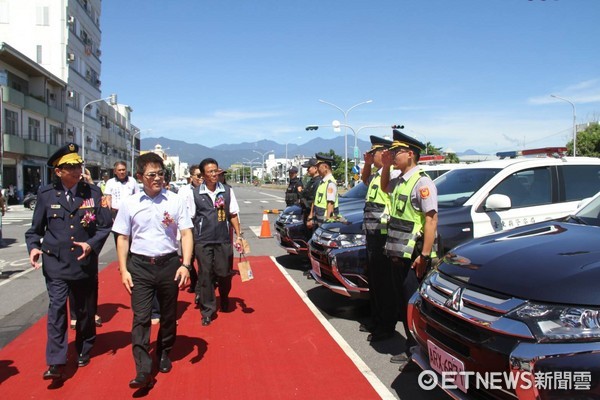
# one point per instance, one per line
(270, 346)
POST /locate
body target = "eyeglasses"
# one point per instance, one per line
(197, 175)
(153, 175)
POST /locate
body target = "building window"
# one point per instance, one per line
(42, 16)
(38, 50)
(55, 132)
(34, 129)
(11, 120)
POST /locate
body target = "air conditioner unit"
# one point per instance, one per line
(70, 57)
(70, 94)
(71, 20)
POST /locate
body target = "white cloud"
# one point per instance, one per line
(578, 93)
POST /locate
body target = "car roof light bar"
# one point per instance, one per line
(557, 152)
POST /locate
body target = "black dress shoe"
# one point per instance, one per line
(197, 299)
(165, 364)
(401, 358)
(141, 380)
(83, 360)
(366, 327)
(53, 372)
(378, 336)
(224, 304)
(206, 321)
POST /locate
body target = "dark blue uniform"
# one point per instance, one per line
(59, 224)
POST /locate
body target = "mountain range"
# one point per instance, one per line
(227, 154)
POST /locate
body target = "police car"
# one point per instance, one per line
(520, 188)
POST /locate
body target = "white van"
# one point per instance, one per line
(490, 196)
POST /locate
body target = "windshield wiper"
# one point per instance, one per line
(578, 219)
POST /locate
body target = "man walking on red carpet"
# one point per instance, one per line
(68, 229)
(152, 267)
(216, 211)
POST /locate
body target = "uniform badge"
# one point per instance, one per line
(424, 192)
(330, 190)
(52, 206)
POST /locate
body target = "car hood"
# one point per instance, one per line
(554, 261)
(351, 223)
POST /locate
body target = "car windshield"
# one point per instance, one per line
(457, 186)
(590, 213)
(357, 192)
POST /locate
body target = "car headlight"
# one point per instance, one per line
(552, 323)
(344, 241)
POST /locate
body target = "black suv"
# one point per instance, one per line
(292, 234)
(520, 304)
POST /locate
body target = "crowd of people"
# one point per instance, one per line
(159, 235)
(400, 223)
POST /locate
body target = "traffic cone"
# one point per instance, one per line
(265, 229)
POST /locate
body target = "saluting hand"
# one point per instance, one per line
(387, 158)
(34, 256)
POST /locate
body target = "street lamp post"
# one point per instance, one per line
(346, 134)
(263, 161)
(250, 162)
(574, 123)
(137, 132)
(112, 99)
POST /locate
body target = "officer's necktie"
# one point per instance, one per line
(70, 197)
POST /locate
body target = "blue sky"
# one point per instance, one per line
(461, 74)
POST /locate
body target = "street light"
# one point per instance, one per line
(346, 134)
(137, 132)
(112, 99)
(574, 123)
(250, 162)
(263, 161)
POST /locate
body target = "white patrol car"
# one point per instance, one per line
(490, 196)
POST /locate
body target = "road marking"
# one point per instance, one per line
(255, 230)
(264, 201)
(247, 202)
(379, 387)
(271, 195)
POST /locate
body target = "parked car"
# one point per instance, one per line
(338, 251)
(521, 303)
(30, 201)
(292, 234)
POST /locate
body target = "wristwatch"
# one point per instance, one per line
(187, 266)
(427, 258)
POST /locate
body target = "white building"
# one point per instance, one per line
(64, 37)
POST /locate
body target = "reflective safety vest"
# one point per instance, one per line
(376, 209)
(406, 223)
(320, 204)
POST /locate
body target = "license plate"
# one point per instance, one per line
(445, 363)
(315, 266)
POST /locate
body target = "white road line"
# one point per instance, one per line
(13, 277)
(379, 387)
(247, 202)
(271, 195)
(255, 230)
(264, 201)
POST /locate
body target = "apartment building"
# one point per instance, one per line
(64, 38)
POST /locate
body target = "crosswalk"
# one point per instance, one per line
(263, 201)
(17, 215)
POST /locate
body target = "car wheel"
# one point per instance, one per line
(32, 204)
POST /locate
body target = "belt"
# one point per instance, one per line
(156, 260)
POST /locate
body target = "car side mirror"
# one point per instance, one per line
(497, 202)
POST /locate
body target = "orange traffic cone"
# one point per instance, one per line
(265, 229)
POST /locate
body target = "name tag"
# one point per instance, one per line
(52, 206)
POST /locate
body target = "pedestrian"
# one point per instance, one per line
(325, 204)
(102, 184)
(294, 189)
(68, 229)
(411, 243)
(187, 193)
(376, 213)
(151, 220)
(216, 212)
(2, 204)
(120, 187)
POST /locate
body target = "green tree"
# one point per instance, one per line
(588, 142)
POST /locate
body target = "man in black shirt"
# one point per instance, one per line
(294, 189)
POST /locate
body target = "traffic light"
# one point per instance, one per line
(312, 128)
(397, 126)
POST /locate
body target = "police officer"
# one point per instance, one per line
(68, 229)
(325, 204)
(310, 190)
(411, 242)
(294, 189)
(376, 212)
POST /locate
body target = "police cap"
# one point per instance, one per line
(312, 162)
(324, 159)
(68, 154)
(378, 143)
(401, 140)
(293, 170)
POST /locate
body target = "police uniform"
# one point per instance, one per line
(292, 194)
(413, 196)
(327, 192)
(310, 189)
(61, 217)
(381, 289)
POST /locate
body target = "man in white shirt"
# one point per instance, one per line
(120, 187)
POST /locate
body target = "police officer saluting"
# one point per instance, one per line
(377, 208)
(326, 198)
(68, 229)
(294, 189)
(411, 242)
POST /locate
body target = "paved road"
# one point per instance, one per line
(23, 298)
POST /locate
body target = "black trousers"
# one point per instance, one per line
(85, 298)
(405, 284)
(215, 263)
(150, 280)
(382, 297)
